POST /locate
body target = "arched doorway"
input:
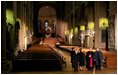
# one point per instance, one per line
(47, 15)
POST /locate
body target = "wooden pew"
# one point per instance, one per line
(109, 57)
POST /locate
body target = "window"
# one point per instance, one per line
(46, 24)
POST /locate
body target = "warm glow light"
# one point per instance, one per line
(71, 36)
(82, 27)
(26, 28)
(9, 16)
(65, 32)
(71, 31)
(91, 25)
(76, 30)
(103, 22)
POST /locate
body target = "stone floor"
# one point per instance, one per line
(104, 71)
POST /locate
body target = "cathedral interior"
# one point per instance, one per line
(37, 36)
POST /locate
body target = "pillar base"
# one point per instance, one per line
(5, 66)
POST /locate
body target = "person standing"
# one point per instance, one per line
(74, 60)
(98, 57)
(90, 60)
(81, 57)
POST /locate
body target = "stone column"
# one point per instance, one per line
(15, 9)
(14, 34)
(89, 13)
(112, 25)
(116, 32)
(74, 35)
(99, 11)
(3, 37)
(33, 16)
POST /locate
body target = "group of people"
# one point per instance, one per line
(91, 59)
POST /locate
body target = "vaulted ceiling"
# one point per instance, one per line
(57, 5)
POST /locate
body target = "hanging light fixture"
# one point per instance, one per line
(91, 25)
(82, 27)
(103, 23)
(76, 30)
(9, 16)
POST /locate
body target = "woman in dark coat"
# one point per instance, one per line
(98, 59)
(74, 60)
(90, 60)
(81, 57)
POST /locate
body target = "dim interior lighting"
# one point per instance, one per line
(46, 6)
(91, 25)
(82, 27)
(103, 23)
(9, 16)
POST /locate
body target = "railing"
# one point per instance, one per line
(62, 59)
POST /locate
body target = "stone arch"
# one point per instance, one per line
(47, 12)
(39, 5)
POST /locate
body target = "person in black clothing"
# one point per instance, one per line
(81, 57)
(74, 60)
(90, 60)
(98, 59)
